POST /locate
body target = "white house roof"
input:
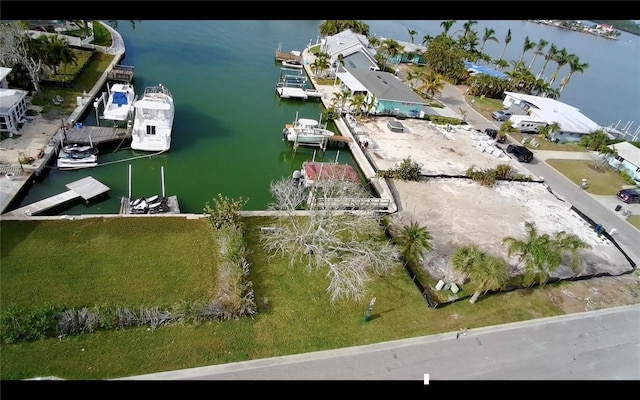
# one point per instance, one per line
(9, 98)
(570, 118)
(352, 83)
(4, 72)
(350, 44)
(628, 151)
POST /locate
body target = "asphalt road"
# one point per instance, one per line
(595, 345)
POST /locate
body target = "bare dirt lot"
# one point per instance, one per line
(458, 211)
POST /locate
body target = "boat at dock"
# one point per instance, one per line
(307, 132)
(153, 120)
(292, 84)
(74, 156)
(292, 64)
(120, 101)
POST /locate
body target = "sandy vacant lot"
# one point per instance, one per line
(458, 211)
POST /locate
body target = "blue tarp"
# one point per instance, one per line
(484, 70)
(119, 98)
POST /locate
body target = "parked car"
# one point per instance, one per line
(493, 134)
(629, 196)
(520, 152)
(501, 115)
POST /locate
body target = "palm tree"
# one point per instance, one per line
(413, 241)
(542, 253)
(357, 103)
(546, 131)
(432, 83)
(485, 272)
(374, 42)
(541, 45)
(468, 25)
(489, 34)
(426, 39)
(549, 56)
(561, 58)
(446, 25)
(339, 99)
(528, 45)
(501, 63)
(390, 48)
(507, 40)
(412, 33)
(575, 66)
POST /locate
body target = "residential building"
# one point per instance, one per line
(573, 124)
(354, 49)
(13, 106)
(627, 159)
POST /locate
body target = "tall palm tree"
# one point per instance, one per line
(374, 42)
(414, 240)
(541, 45)
(575, 66)
(412, 33)
(561, 58)
(357, 104)
(542, 253)
(547, 57)
(485, 272)
(426, 39)
(390, 48)
(468, 25)
(489, 34)
(528, 45)
(507, 40)
(431, 83)
(446, 25)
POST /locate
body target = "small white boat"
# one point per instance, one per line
(306, 131)
(120, 102)
(153, 121)
(68, 161)
(292, 64)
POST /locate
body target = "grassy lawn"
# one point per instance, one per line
(484, 105)
(545, 144)
(634, 220)
(159, 261)
(602, 180)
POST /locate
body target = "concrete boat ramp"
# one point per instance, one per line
(87, 188)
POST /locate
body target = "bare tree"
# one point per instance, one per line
(349, 244)
(16, 48)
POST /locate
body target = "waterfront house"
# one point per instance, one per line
(627, 159)
(13, 106)
(390, 96)
(354, 49)
(573, 124)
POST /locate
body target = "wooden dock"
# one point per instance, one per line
(87, 188)
(95, 134)
(121, 73)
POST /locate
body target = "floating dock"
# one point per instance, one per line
(94, 135)
(87, 188)
(286, 92)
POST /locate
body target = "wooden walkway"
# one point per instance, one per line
(87, 188)
(121, 73)
(95, 134)
(282, 56)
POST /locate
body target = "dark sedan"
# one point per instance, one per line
(629, 196)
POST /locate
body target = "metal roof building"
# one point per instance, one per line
(571, 120)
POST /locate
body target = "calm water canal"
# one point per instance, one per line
(227, 132)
